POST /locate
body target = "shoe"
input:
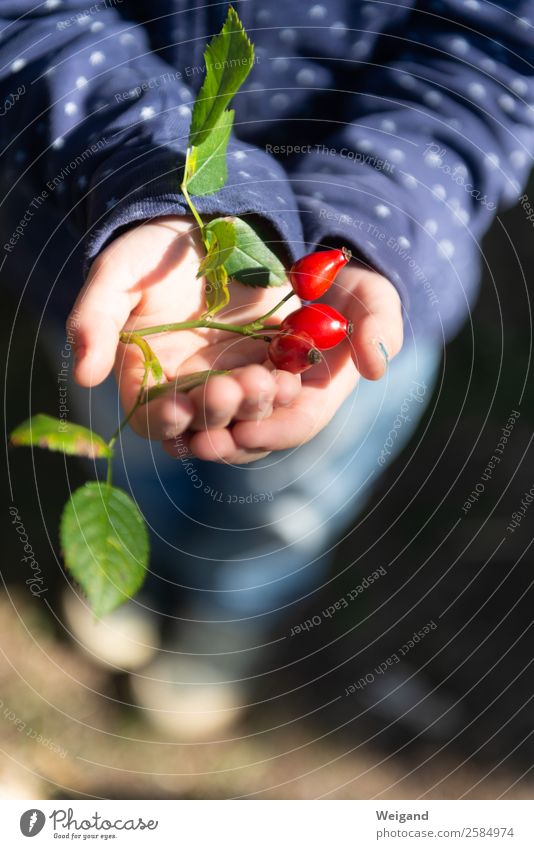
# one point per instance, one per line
(198, 688)
(126, 639)
(406, 697)
(187, 700)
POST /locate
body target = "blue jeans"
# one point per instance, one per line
(246, 542)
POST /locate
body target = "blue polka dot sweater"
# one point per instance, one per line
(398, 129)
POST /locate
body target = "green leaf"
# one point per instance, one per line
(222, 241)
(217, 293)
(105, 545)
(209, 173)
(150, 360)
(60, 435)
(181, 384)
(154, 366)
(229, 58)
(251, 262)
(211, 260)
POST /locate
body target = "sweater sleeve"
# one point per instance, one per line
(436, 139)
(101, 122)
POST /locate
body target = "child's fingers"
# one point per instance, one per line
(288, 427)
(216, 402)
(217, 446)
(375, 310)
(259, 392)
(164, 418)
(260, 389)
(98, 316)
(288, 386)
(316, 403)
(248, 394)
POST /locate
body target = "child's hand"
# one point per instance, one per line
(148, 277)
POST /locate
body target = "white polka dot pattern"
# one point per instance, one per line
(404, 159)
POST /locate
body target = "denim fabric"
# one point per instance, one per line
(247, 541)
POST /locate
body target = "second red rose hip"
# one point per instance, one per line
(324, 324)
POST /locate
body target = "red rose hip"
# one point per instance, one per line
(312, 275)
(293, 352)
(326, 326)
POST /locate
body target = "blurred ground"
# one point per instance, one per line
(453, 719)
(110, 753)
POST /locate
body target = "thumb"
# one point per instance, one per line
(99, 314)
(376, 312)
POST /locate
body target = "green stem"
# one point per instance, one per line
(187, 174)
(262, 318)
(126, 419)
(115, 436)
(181, 384)
(193, 209)
(151, 362)
(250, 330)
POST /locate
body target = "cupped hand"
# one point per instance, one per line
(147, 277)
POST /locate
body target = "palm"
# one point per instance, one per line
(162, 260)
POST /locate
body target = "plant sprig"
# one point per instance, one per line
(103, 535)
(238, 252)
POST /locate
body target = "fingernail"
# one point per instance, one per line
(216, 418)
(264, 412)
(181, 451)
(383, 350)
(259, 403)
(172, 432)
